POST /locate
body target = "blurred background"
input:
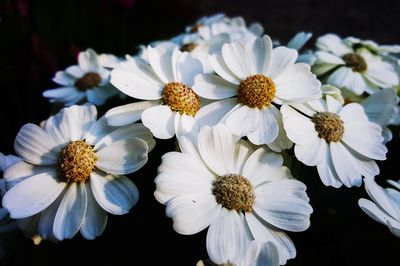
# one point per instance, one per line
(40, 37)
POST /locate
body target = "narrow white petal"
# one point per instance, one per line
(187, 68)
(299, 128)
(353, 112)
(260, 51)
(123, 156)
(382, 74)
(242, 120)
(344, 165)
(327, 172)
(281, 59)
(161, 61)
(63, 78)
(261, 166)
(115, 194)
(218, 64)
(192, 213)
(88, 61)
(312, 153)
(184, 124)
(216, 147)
(33, 195)
(328, 58)
(227, 239)
(299, 40)
(261, 254)
(232, 54)
(212, 113)
(332, 43)
(71, 211)
(375, 212)
(128, 113)
(36, 146)
(95, 219)
(137, 85)
(160, 120)
(297, 85)
(267, 127)
(282, 141)
(22, 170)
(213, 87)
(46, 222)
(75, 71)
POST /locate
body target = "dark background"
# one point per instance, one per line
(40, 37)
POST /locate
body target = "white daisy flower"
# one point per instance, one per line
(356, 69)
(381, 108)
(259, 77)
(165, 82)
(72, 172)
(89, 80)
(241, 194)
(338, 139)
(385, 206)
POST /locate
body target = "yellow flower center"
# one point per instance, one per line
(329, 126)
(355, 61)
(234, 192)
(180, 98)
(256, 91)
(89, 80)
(76, 161)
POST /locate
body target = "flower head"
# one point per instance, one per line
(72, 173)
(241, 194)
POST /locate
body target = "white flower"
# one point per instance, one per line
(385, 207)
(356, 69)
(165, 81)
(381, 108)
(88, 80)
(372, 46)
(72, 173)
(259, 77)
(338, 139)
(241, 194)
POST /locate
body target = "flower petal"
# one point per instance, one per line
(281, 59)
(192, 213)
(71, 211)
(332, 43)
(160, 120)
(161, 62)
(213, 87)
(212, 113)
(327, 172)
(218, 64)
(187, 67)
(267, 127)
(227, 238)
(95, 219)
(232, 54)
(312, 153)
(128, 113)
(88, 61)
(19, 171)
(36, 146)
(122, 156)
(242, 120)
(116, 195)
(33, 195)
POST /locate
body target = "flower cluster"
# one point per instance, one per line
(243, 110)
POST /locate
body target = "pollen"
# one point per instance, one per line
(234, 192)
(256, 91)
(76, 162)
(180, 98)
(355, 61)
(89, 80)
(329, 126)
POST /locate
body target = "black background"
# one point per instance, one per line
(37, 38)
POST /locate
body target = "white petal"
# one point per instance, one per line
(212, 113)
(261, 166)
(22, 170)
(66, 95)
(344, 165)
(299, 128)
(192, 213)
(36, 146)
(63, 78)
(297, 85)
(116, 195)
(95, 219)
(312, 153)
(75, 71)
(284, 204)
(328, 58)
(132, 131)
(327, 172)
(128, 113)
(98, 95)
(46, 222)
(218, 64)
(136, 84)
(267, 127)
(382, 74)
(298, 41)
(88, 61)
(281, 59)
(161, 61)
(260, 51)
(123, 156)
(332, 43)
(346, 77)
(281, 142)
(213, 87)
(160, 120)
(184, 124)
(242, 120)
(187, 68)
(33, 195)
(380, 106)
(375, 212)
(216, 147)
(233, 56)
(263, 232)
(71, 211)
(353, 112)
(227, 239)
